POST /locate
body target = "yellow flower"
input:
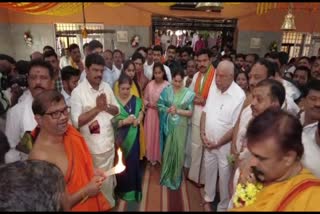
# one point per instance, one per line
(245, 195)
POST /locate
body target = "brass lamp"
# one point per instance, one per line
(209, 6)
(288, 23)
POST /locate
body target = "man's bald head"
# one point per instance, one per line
(224, 75)
(226, 66)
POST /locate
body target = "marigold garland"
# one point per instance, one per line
(245, 194)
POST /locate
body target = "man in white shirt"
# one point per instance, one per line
(264, 69)
(94, 46)
(218, 117)
(70, 79)
(20, 118)
(291, 90)
(93, 105)
(310, 134)
(267, 93)
(110, 76)
(157, 54)
(148, 65)
(261, 70)
(201, 83)
(117, 67)
(165, 40)
(191, 70)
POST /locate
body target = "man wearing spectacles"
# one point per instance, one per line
(20, 118)
(59, 143)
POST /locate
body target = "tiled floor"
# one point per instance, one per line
(159, 198)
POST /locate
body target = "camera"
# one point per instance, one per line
(20, 80)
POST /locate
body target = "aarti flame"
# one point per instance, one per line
(120, 167)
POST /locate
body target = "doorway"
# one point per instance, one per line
(216, 32)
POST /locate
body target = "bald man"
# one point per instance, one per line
(218, 118)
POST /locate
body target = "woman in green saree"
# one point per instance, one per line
(175, 106)
(127, 126)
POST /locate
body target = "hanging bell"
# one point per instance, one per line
(288, 23)
(84, 33)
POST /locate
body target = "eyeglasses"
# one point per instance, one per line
(57, 114)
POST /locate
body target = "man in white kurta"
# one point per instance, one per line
(206, 69)
(311, 144)
(310, 135)
(91, 113)
(267, 93)
(20, 118)
(148, 69)
(219, 116)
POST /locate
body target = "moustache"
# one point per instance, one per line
(39, 87)
(258, 174)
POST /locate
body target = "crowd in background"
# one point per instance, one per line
(187, 112)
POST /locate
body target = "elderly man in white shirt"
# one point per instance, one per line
(157, 54)
(20, 118)
(219, 115)
(311, 128)
(93, 105)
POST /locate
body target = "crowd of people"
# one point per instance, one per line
(214, 119)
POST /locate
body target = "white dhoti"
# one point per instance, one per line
(105, 161)
(197, 171)
(216, 161)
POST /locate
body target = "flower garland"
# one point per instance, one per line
(135, 41)
(28, 38)
(246, 194)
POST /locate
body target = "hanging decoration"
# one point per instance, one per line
(264, 7)
(66, 9)
(84, 32)
(26, 7)
(52, 9)
(135, 41)
(288, 23)
(28, 38)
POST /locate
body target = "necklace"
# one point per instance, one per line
(129, 107)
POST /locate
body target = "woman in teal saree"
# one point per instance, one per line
(175, 106)
(127, 126)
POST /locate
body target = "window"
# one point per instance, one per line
(68, 33)
(296, 44)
